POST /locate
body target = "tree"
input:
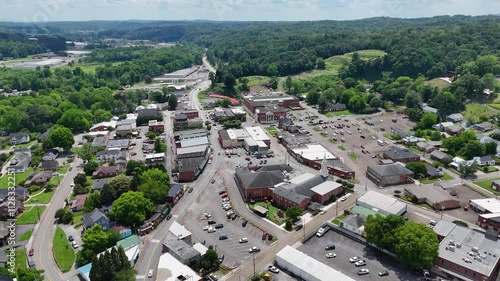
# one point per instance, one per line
(148, 79)
(417, 245)
(124, 275)
(373, 236)
(75, 119)
(472, 149)
(120, 184)
(154, 175)
(80, 179)
(90, 167)
(427, 121)
(61, 137)
(273, 82)
(288, 84)
(229, 81)
(412, 99)
(132, 208)
(29, 274)
(418, 168)
(293, 213)
(376, 102)
(320, 63)
(86, 152)
(490, 148)
(96, 272)
(95, 241)
(313, 98)
(467, 170)
(322, 103)
(357, 103)
(225, 102)
(64, 216)
(210, 260)
(93, 201)
(151, 135)
(155, 191)
(172, 102)
(244, 84)
(160, 146)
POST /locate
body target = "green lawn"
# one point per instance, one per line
(475, 110)
(489, 169)
(272, 131)
(495, 105)
(332, 141)
(43, 197)
(338, 219)
(26, 236)
(88, 67)
(486, 184)
(56, 180)
(429, 180)
(21, 259)
(63, 169)
(31, 216)
(272, 212)
(341, 147)
(77, 217)
(62, 250)
(447, 177)
(4, 180)
(338, 113)
(437, 83)
(257, 80)
(25, 144)
(316, 129)
(353, 155)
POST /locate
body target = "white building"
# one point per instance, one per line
(170, 269)
(381, 203)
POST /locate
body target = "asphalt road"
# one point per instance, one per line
(41, 240)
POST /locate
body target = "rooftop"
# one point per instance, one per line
(390, 169)
(237, 134)
(170, 269)
(434, 193)
(490, 204)
(325, 187)
(395, 152)
(179, 230)
(295, 139)
(379, 201)
(181, 248)
(191, 149)
(314, 152)
(202, 140)
(257, 133)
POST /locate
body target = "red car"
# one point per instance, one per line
(224, 195)
(31, 252)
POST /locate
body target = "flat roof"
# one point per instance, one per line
(237, 134)
(191, 149)
(301, 178)
(179, 230)
(443, 228)
(490, 204)
(250, 142)
(314, 152)
(310, 266)
(169, 268)
(200, 248)
(155, 155)
(471, 249)
(324, 188)
(382, 202)
(194, 141)
(257, 133)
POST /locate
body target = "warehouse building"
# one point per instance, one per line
(390, 174)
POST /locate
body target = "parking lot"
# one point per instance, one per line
(347, 248)
(464, 194)
(136, 144)
(234, 252)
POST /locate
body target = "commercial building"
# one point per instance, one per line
(156, 126)
(381, 203)
(485, 206)
(390, 174)
(433, 195)
(170, 269)
(398, 154)
(467, 254)
(191, 161)
(253, 139)
(256, 182)
(307, 268)
(254, 102)
(269, 114)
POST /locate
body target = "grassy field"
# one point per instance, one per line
(31, 216)
(44, 197)
(335, 63)
(88, 67)
(338, 113)
(21, 259)
(56, 180)
(257, 80)
(26, 236)
(4, 180)
(486, 184)
(474, 110)
(62, 250)
(272, 212)
(436, 82)
(272, 131)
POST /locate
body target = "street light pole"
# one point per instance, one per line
(253, 255)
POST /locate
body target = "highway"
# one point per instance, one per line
(41, 240)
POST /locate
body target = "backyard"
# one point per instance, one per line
(20, 177)
(445, 177)
(63, 252)
(473, 112)
(486, 184)
(338, 219)
(272, 214)
(31, 216)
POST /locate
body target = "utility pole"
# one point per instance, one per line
(253, 255)
(442, 210)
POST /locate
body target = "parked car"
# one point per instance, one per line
(211, 229)
(330, 255)
(254, 249)
(222, 192)
(273, 269)
(70, 238)
(383, 273)
(150, 273)
(213, 181)
(330, 247)
(169, 216)
(343, 198)
(264, 235)
(244, 223)
(299, 227)
(223, 237)
(221, 259)
(224, 195)
(218, 226)
(243, 240)
(360, 263)
(363, 137)
(211, 222)
(233, 216)
(363, 271)
(74, 244)
(190, 190)
(31, 252)
(353, 259)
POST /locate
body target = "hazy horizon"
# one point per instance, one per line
(238, 10)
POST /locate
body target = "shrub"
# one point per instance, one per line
(344, 183)
(461, 223)
(288, 224)
(339, 181)
(350, 185)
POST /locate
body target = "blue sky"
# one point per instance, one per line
(234, 10)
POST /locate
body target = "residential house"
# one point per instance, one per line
(19, 138)
(458, 163)
(287, 125)
(100, 127)
(456, 117)
(335, 107)
(43, 137)
(21, 193)
(111, 155)
(155, 126)
(486, 160)
(7, 211)
(21, 160)
(175, 193)
(391, 174)
(79, 202)
(440, 156)
(442, 126)
(96, 217)
(485, 126)
(52, 165)
(434, 196)
(454, 130)
(398, 154)
(50, 155)
(433, 172)
(39, 178)
(428, 109)
(123, 230)
(98, 184)
(131, 121)
(105, 172)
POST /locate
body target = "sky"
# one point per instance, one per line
(237, 10)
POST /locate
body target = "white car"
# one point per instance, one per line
(243, 240)
(274, 269)
(210, 230)
(330, 255)
(206, 228)
(360, 263)
(322, 212)
(363, 271)
(74, 244)
(343, 198)
(150, 273)
(353, 259)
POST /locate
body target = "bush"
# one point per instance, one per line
(288, 224)
(344, 183)
(270, 237)
(350, 185)
(485, 169)
(339, 181)
(461, 223)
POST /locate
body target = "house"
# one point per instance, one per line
(100, 127)
(440, 156)
(458, 162)
(19, 138)
(43, 137)
(52, 165)
(21, 160)
(335, 107)
(428, 109)
(454, 130)
(123, 230)
(7, 211)
(485, 126)
(485, 160)
(109, 155)
(98, 184)
(433, 195)
(398, 154)
(96, 217)
(155, 126)
(287, 125)
(175, 192)
(50, 155)
(456, 117)
(39, 178)
(21, 193)
(79, 202)
(433, 172)
(105, 172)
(354, 223)
(390, 174)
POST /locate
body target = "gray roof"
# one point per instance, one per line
(354, 220)
(431, 170)
(396, 152)
(190, 164)
(455, 116)
(148, 112)
(17, 136)
(290, 194)
(109, 152)
(19, 190)
(100, 141)
(22, 158)
(99, 183)
(50, 165)
(440, 155)
(260, 178)
(175, 188)
(432, 193)
(92, 217)
(181, 248)
(122, 143)
(390, 169)
(486, 158)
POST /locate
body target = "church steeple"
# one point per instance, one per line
(324, 169)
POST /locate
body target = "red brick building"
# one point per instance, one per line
(256, 182)
(155, 126)
(489, 221)
(253, 102)
(270, 114)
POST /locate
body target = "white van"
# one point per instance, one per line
(380, 142)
